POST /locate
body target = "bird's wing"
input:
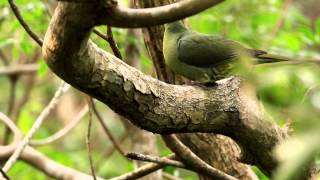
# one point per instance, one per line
(202, 50)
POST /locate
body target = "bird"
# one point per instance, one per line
(206, 58)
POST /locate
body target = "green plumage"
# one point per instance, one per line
(202, 57)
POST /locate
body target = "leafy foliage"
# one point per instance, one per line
(290, 93)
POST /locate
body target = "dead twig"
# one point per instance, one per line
(158, 160)
(19, 69)
(17, 13)
(192, 160)
(62, 132)
(109, 38)
(106, 129)
(14, 157)
(88, 140)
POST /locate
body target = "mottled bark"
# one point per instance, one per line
(227, 108)
(141, 141)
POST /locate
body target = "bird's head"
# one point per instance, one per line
(176, 26)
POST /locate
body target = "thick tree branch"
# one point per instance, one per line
(229, 108)
(126, 17)
(114, 15)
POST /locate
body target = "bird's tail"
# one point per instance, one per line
(271, 58)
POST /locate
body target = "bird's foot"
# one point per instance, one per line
(207, 84)
(210, 84)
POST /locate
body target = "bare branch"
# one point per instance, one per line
(6, 177)
(106, 129)
(14, 157)
(170, 161)
(43, 163)
(16, 132)
(62, 132)
(140, 172)
(4, 58)
(19, 69)
(24, 24)
(110, 151)
(36, 159)
(158, 160)
(113, 43)
(88, 140)
(129, 18)
(192, 160)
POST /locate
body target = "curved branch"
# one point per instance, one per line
(158, 160)
(16, 132)
(19, 69)
(36, 159)
(17, 13)
(229, 108)
(62, 132)
(126, 17)
(43, 163)
(106, 129)
(14, 157)
(192, 160)
(214, 173)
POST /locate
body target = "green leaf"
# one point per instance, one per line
(43, 68)
(5, 42)
(317, 30)
(317, 24)
(288, 40)
(306, 34)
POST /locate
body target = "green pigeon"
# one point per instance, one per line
(206, 58)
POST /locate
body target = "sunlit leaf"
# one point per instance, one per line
(43, 68)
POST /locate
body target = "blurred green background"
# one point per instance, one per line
(290, 93)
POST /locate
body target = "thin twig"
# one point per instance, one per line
(192, 160)
(24, 24)
(110, 151)
(6, 177)
(29, 84)
(12, 101)
(109, 38)
(141, 171)
(19, 69)
(159, 160)
(9, 123)
(62, 132)
(88, 140)
(164, 160)
(279, 23)
(4, 58)
(106, 129)
(43, 163)
(14, 157)
(113, 43)
(11, 104)
(97, 32)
